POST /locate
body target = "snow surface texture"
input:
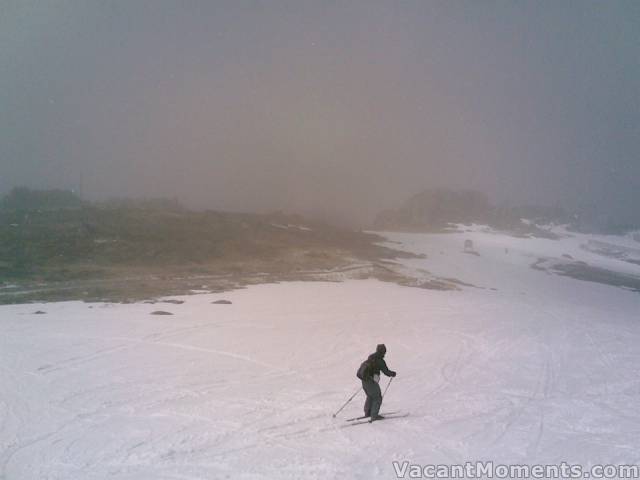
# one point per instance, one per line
(543, 369)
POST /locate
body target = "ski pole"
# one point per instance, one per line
(347, 402)
(388, 384)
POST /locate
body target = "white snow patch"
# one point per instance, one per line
(291, 226)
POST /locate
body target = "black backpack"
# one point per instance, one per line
(364, 371)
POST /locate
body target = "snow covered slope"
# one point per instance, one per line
(523, 367)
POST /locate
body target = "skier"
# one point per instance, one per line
(369, 373)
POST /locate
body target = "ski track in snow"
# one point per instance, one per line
(543, 369)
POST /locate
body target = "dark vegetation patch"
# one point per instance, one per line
(582, 271)
(537, 265)
(129, 251)
(460, 282)
(612, 250)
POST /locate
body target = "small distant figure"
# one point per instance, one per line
(506, 251)
(369, 373)
(468, 246)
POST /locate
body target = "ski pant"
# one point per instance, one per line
(374, 398)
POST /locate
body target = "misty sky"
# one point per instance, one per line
(341, 108)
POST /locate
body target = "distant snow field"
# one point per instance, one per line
(525, 366)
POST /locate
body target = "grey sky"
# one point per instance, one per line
(337, 107)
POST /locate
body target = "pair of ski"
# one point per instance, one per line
(367, 419)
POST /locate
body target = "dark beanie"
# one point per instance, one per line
(381, 349)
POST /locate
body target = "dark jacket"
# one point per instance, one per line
(377, 365)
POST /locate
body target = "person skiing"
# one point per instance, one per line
(369, 373)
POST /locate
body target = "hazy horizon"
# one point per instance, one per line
(337, 109)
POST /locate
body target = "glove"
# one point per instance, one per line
(393, 374)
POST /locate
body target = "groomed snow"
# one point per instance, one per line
(528, 367)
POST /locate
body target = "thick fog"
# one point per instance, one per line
(340, 109)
